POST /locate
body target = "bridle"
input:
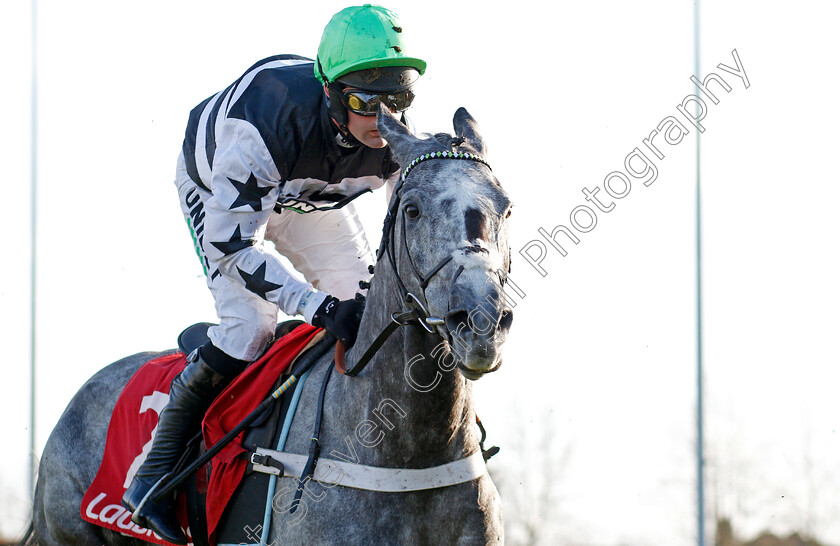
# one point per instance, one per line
(415, 310)
(388, 242)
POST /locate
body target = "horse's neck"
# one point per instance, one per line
(420, 426)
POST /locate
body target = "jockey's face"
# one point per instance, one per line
(364, 129)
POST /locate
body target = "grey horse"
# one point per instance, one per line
(444, 258)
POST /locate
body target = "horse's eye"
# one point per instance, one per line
(508, 214)
(412, 211)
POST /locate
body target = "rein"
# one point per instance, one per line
(416, 311)
(172, 480)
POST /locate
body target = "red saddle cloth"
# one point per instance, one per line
(134, 421)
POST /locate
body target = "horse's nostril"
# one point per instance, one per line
(457, 321)
(506, 320)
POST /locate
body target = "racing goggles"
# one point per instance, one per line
(367, 104)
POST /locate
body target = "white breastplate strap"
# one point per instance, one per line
(376, 478)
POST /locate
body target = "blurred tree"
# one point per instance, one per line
(527, 473)
(725, 536)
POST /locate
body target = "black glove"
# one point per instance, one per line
(340, 318)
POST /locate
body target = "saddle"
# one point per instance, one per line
(213, 494)
(242, 519)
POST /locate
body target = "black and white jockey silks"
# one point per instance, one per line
(260, 175)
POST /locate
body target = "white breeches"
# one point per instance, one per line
(330, 249)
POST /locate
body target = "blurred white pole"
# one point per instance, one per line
(701, 503)
(33, 170)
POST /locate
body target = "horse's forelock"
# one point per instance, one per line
(443, 142)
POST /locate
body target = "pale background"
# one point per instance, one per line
(595, 406)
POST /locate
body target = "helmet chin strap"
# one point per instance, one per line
(336, 110)
(338, 114)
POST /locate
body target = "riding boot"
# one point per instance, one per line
(190, 394)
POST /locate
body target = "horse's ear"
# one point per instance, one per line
(397, 135)
(466, 127)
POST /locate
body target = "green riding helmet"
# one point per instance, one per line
(368, 42)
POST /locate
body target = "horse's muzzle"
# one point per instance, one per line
(477, 337)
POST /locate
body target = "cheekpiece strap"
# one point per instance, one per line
(443, 155)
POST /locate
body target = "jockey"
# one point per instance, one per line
(277, 157)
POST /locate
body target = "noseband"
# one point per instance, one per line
(415, 308)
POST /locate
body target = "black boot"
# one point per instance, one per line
(190, 394)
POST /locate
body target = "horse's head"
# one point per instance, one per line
(449, 239)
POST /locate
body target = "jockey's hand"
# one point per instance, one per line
(340, 318)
